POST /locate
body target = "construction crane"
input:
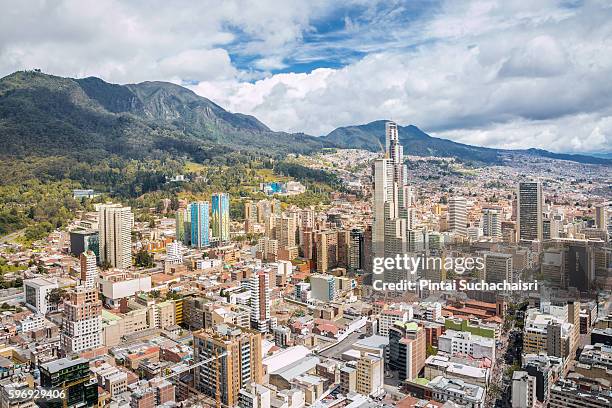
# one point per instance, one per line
(198, 364)
(216, 359)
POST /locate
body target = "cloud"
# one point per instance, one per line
(487, 72)
(484, 73)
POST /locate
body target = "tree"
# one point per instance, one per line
(144, 259)
(56, 295)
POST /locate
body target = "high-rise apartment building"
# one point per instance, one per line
(259, 285)
(370, 375)
(115, 233)
(220, 217)
(530, 201)
(82, 323)
(326, 243)
(457, 215)
(89, 270)
(491, 223)
(233, 359)
(200, 224)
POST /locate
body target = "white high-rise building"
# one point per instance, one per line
(89, 270)
(82, 324)
(174, 253)
(392, 202)
(115, 228)
(491, 223)
(259, 285)
(457, 215)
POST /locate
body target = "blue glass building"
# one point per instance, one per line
(200, 221)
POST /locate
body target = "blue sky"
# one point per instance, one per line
(510, 74)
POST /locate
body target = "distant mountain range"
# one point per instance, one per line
(371, 136)
(43, 114)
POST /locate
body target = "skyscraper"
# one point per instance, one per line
(457, 215)
(200, 224)
(183, 225)
(356, 250)
(601, 216)
(89, 271)
(233, 360)
(82, 324)
(529, 212)
(220, 217)
(115, 230)
(391, 202)
(491, 223)
(259, 285)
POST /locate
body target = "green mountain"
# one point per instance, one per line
(42, 115)
(371, 136)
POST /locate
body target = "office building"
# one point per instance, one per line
(233, 358)
(82, 323)
(391, 202)
(407, 349)
(85, 240)
(549, 332)
(457, 215)
(465, 343)
(220, 217)
(601, 216)
(529, 212)
(356, 253)
(89, 270)
(36, 294)
(115, 228)
(498, 267)
(567, 394)
(73, 376)
(323, 287)
(200, 224)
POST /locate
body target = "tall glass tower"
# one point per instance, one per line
(200, 224)
(220, 217)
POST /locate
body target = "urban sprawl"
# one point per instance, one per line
(286, 307)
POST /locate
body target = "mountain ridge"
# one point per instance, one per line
(370, 136)
(42, 114)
